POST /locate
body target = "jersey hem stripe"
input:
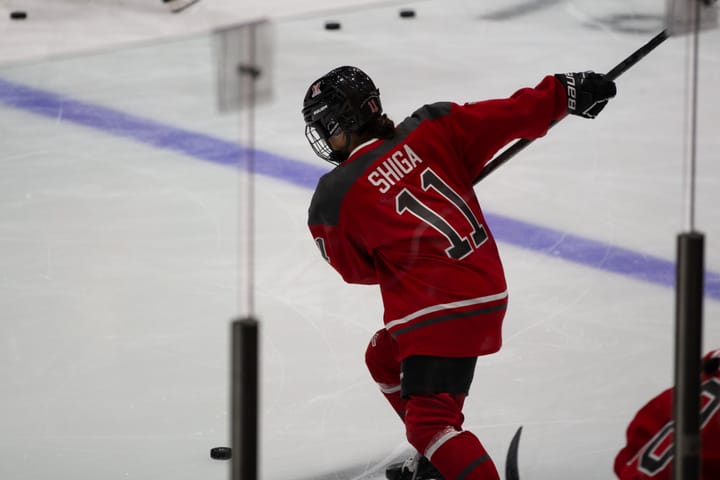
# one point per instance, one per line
(445, 306)
(445, 318)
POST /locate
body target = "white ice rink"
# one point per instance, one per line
(120, 268)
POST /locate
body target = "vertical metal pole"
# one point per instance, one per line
(688, 353)
(250, 72)
(245, 354)
(689, 292)
(694, 17)
(252, 75)
(244, 399)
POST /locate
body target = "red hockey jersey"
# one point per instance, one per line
(402, 213)
(648, 454)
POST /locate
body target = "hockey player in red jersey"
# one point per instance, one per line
(649, 454)
(399, 210)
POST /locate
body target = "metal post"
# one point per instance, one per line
(244, 399)
(689, 289)
(688, 353)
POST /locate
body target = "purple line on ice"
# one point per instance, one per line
(155, 134)
(537, 238)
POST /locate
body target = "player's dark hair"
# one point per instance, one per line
(379, 127)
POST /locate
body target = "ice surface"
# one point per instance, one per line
(120, 263)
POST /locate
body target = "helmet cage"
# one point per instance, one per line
(317, 138)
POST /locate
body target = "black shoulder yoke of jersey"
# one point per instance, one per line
(332, 187)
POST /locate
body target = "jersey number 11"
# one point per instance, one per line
(460, 246)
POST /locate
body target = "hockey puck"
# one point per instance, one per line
(221, 453)
(332, 25)
(407, 13)
(18, 15)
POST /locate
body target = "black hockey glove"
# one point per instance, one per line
(587, 92)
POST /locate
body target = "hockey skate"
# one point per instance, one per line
(416, 467)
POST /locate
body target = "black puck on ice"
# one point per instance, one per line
(18, 15)
(407, 13)
(331, 25)
(221, 453)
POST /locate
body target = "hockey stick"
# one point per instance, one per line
(619, 69)
(511, 462)
(183, 7)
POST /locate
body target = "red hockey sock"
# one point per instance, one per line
(463, 457)
(434, 428)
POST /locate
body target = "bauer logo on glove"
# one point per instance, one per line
(587, 92)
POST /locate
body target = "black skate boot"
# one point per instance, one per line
(416, 467)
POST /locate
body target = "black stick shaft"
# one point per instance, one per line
(638, 55)
(613, 74)
(244, 399)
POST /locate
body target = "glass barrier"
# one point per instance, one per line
(126, 249)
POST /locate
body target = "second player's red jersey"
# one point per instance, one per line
(649, 452)
(402, 213)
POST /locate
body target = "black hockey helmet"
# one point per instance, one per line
(345, 99)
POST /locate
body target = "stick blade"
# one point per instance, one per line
(681, 15)
(511, 462)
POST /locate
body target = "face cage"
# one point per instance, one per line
(318, 143)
